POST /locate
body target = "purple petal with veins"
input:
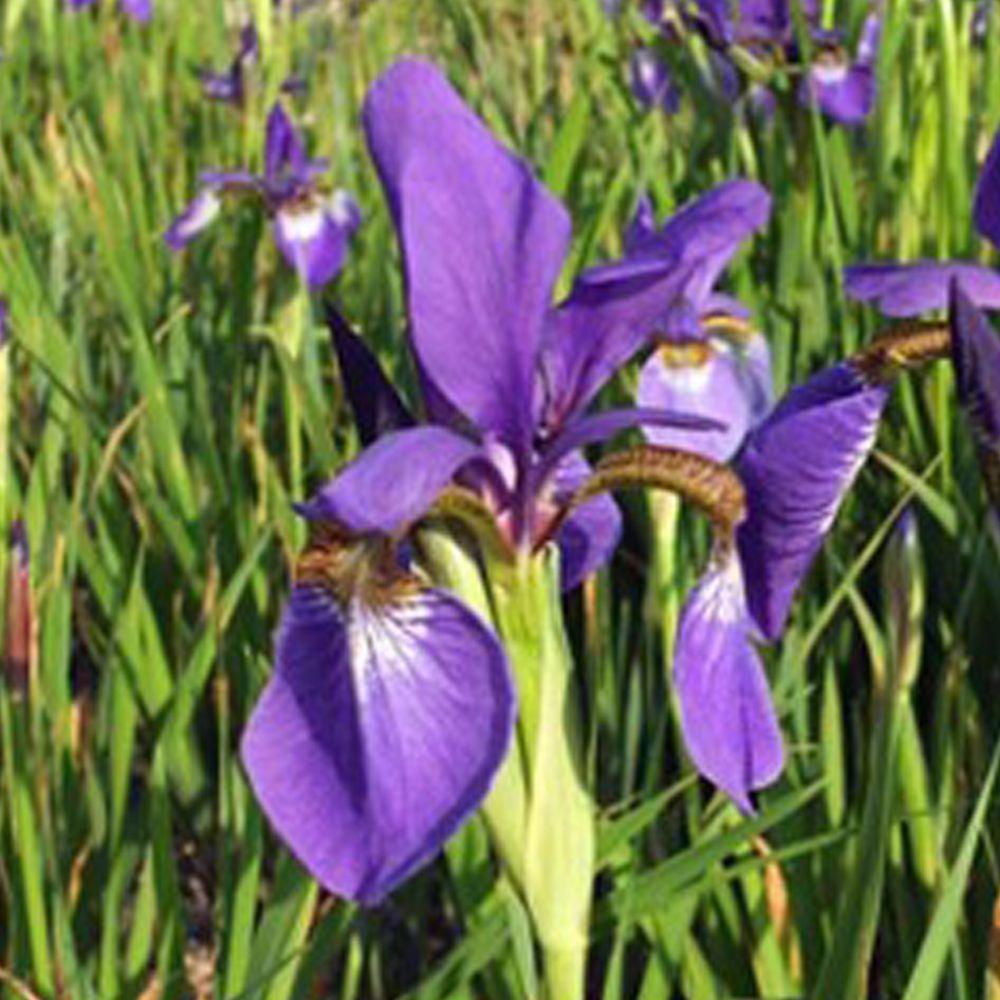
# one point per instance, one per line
(920, 286)
(378, 734)
(797, 467)
(727, 717)
(392, 482)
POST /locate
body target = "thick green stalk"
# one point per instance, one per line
(559, 844)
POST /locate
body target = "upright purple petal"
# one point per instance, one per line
(393, 482)
(378, 734)
(986, 206)
(195, 217)
(285, 160)
(590, 534)
(374, 401)
(911, 289)
(482, 241)
(705, 379)
(797, 467)
(727, 717)
(975, 354)
(652, 82)
(313, 234)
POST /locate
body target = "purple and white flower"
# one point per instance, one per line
(311, 228)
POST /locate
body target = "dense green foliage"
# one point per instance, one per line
(164, 412)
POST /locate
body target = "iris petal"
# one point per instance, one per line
(911, 289)
(198, 215)
(393, 482)
(986, 207)
(590, 533)
(482, 241)
(727, 717)
(314, 239)
(797, 467)
(378, 734)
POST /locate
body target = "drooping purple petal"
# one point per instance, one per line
(727, 717)
(975, 354)
(378, 734)
(844, 92)
(482, 241)
(393, 482)
(986, 206)
(590, 534)
(313, 235)
(197, 215)
(652, 82)
(709, 380)
(911, 289)
(376, 405)
(797, 467)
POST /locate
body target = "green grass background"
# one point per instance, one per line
(162, 413)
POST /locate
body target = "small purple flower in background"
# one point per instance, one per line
(391, 704)
(652, 83)
(312, 229)
(4, 322)
(842, 89)
(229, 86)
(138, 10)
(764, 30)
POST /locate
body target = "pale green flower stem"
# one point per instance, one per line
(540, 812)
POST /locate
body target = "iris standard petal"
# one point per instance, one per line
(393, 482)
(797, 467)
(198, 214)
(911, 289)
(482, 242)
(652, 82)
(313, 236)
(727, 717)
(590, 534)
(284, 155)
(376, 405)
(986, 206)
(704, 379)
(378, 734)
(975, 354)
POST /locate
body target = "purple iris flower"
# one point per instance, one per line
(312, 229)
(706, 358)
(843, 90)
(391, 705)
(138, 10)
(4, 322)
(922, 286)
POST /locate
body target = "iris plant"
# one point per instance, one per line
(230, 86)
(430, 588)
(312, 228)
(759, 36)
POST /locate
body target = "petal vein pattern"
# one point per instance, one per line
(379, 733)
